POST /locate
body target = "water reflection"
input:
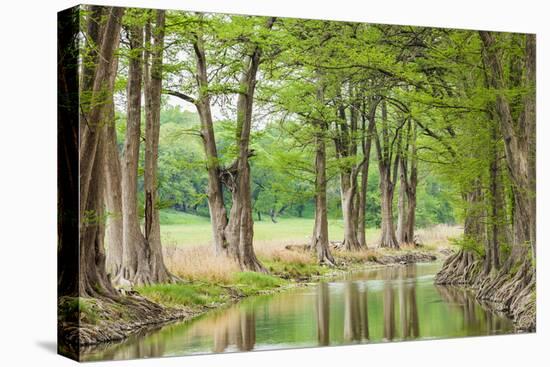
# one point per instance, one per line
(408, 306)
(323, 314)
(356, 321)
(235, 328)
(386, 304)
(464, 301)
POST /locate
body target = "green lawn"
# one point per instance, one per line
(183, 229)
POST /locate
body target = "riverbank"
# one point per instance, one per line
(91, 321)
(511, 290)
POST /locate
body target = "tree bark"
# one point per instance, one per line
(387, 236)
(366, 142)
(232, 236)
(384, 151)
(93, 280)
(407, 187)
(411, 189)
(519, 139)
(135, 256)
(239, 231)
(402, 204)
(346, 148)
(153, 88)
(218, 213)
(348, 193)
(320, 242)
(493, 256)
(113, 189)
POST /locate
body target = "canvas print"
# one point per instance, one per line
(235, 183)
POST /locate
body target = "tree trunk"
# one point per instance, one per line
(407, 188)
(153, 87)
(366, 142)
(218, 213)
(384, 152)
(113, 189)
(346, 150)
(387, 230)
(411, 189)
(402, 205)
(93, 280)
(273, 215)
(232, 236)
(240, 228)
(319, 241)
(474, 225)
(519, 140)
(348, 191)
(493, 257)
(135, 254)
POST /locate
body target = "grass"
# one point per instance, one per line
(250, 283)
(189, 255)
(182, 229)
(75, 309)
(201, 293)
(184, 294)
(209, 279)
(437, 236)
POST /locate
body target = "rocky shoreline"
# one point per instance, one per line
(510, 291)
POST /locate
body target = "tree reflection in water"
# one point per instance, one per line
(237, 327)
(474, 318)
(356, 321)
(323, 314)
(407, 304)
(383, 304)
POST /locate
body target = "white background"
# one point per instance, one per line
(28, 181)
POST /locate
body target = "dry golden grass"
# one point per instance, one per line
(276, 251)
(359, 256)
(200, 263)
(438, 235)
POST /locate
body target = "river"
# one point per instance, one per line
(383, 304)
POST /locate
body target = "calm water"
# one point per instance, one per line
(386, 304)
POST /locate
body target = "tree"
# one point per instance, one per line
(387, 149)
(518, 132)
(320, 241)
(233, 233)
(152, 87)
(135, 266)
(113, 188)
(408, 180)
(366, 143)
(93, 280)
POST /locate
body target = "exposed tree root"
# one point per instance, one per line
(116, 319)
(508, 290)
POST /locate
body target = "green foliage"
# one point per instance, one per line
(252, 282)
(469, 244)
(183, 294)
(289, 270)
(77, 309)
